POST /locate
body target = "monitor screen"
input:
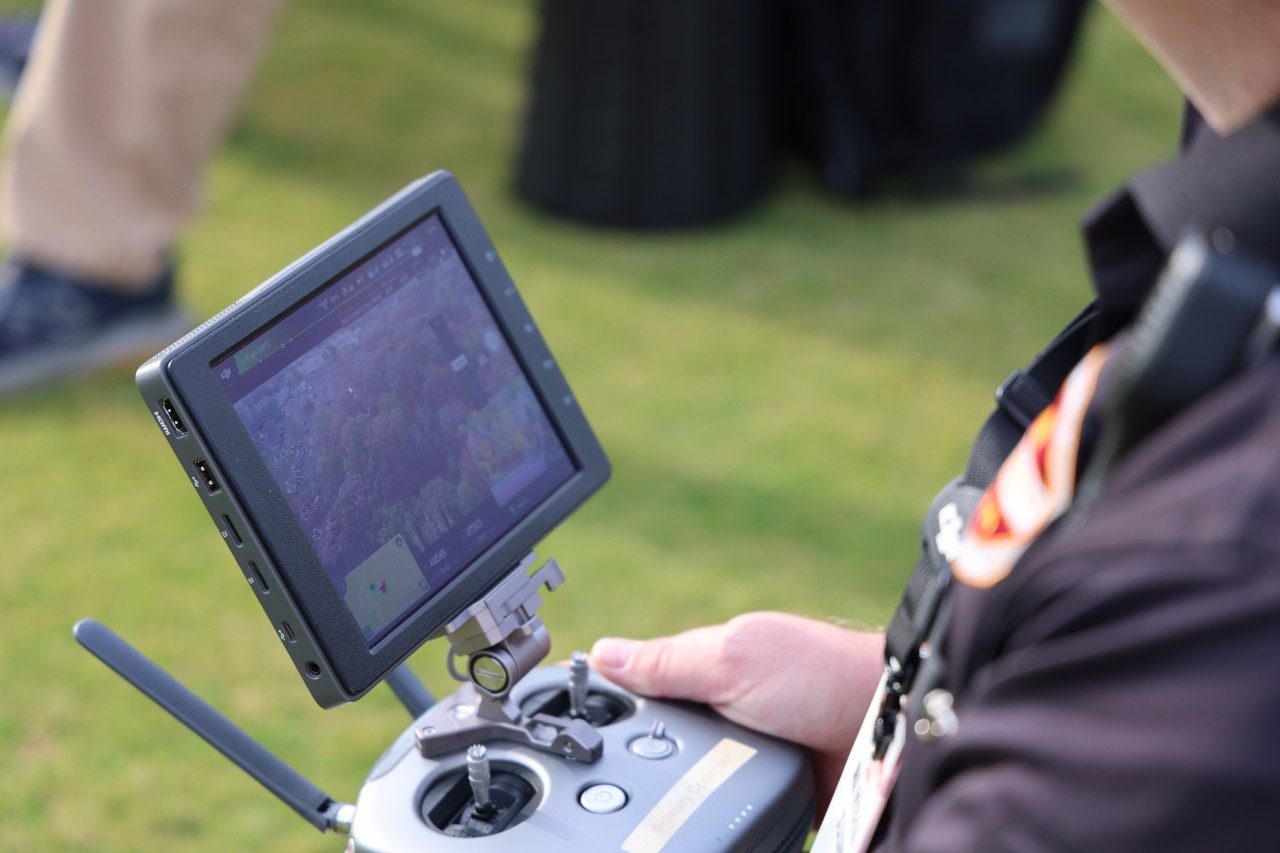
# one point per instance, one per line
(398, 424)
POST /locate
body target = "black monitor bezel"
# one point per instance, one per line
(255, 491)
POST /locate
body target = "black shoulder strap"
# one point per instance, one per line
(1019, 400)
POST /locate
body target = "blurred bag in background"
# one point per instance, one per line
(650, 113)
(893, 85)
(671, 113)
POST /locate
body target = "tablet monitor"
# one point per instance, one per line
(380, 434)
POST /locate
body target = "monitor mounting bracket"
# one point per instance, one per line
(503, 638)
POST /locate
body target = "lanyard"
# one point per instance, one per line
(1019, 401)
(913, 661)
(1033, 488)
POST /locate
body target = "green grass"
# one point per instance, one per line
(780, 396)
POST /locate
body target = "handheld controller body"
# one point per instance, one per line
(701, 784)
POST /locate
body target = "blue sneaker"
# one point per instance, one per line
(56, 327)
(16, 35)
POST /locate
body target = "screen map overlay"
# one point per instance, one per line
(395, 419)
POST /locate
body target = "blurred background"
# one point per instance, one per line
(781, 392)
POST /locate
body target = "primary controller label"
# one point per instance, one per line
(687, 795)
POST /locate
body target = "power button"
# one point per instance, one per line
(602, 799)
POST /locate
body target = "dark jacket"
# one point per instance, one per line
(1120, 690)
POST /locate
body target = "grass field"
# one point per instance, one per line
(780, 397)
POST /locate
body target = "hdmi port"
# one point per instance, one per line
(171, 412)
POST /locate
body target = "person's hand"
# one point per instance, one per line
(798, 679)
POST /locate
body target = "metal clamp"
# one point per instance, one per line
(504, 638)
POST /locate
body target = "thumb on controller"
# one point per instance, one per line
(689, 666)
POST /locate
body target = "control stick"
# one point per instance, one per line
(578, 672)
(478, 776)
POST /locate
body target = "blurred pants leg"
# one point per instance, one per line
(121, 105)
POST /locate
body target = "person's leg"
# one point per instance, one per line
(120, 106)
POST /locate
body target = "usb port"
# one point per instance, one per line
(171, 412)
(206, 476)
(288, 632)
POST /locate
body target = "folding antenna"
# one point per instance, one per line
(295, 790)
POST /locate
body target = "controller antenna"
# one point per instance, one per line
(578, 672)
(478, 776)
(295, 790)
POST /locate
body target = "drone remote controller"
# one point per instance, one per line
(669, 776)
(381, 436)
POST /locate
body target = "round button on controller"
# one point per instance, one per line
(602, 799)
(652, 748)
(655, 745)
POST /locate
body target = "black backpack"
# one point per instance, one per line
(880, 87)
(650, 113)
(668, 113)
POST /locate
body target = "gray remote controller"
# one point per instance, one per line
(673, 777)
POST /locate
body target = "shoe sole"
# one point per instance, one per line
(128, 343)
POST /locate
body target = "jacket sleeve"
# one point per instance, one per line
(1132, 708)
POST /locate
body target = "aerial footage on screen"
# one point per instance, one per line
(395, 419)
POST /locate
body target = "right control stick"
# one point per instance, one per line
(579, 672)
(597, 708)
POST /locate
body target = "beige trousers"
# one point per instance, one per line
(121, 105)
